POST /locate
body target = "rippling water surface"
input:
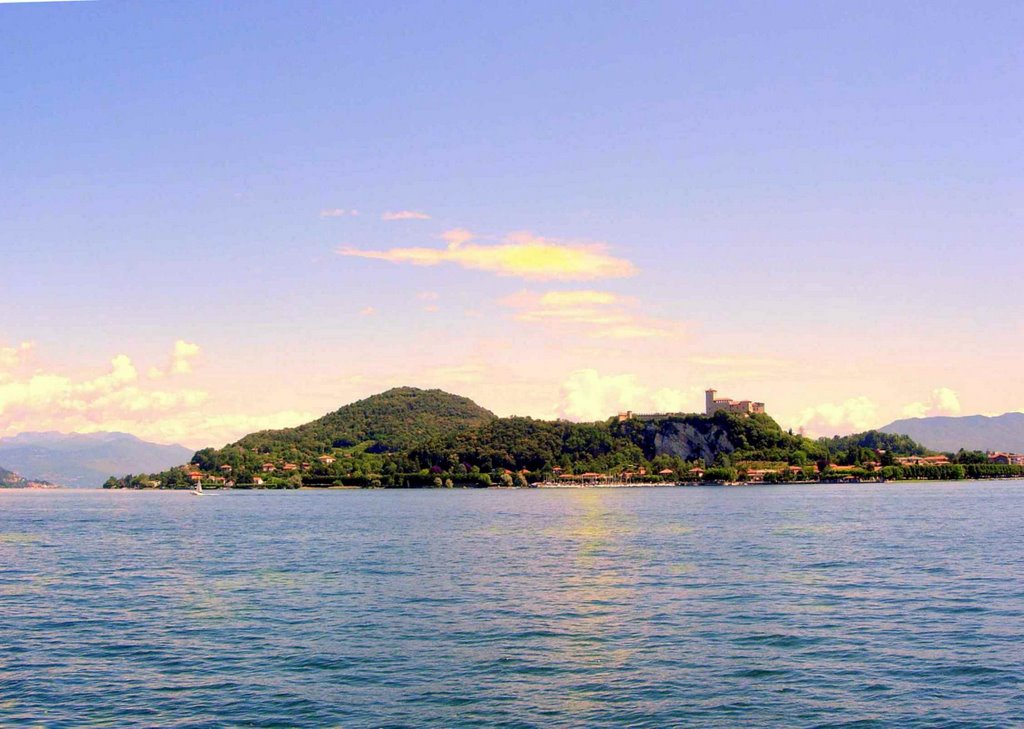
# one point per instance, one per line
(894, 605)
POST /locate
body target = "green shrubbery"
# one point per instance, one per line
(408, 438)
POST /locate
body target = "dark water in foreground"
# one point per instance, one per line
(894, 605)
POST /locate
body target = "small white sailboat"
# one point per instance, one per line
(198, 490)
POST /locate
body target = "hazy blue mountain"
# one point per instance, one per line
(974, 432)
(85, 460)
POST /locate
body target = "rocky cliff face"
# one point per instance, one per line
(687, 441)
(694, 439)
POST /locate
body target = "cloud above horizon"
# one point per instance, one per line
(861, 413)
(599, 314)
(338, 213)
(181, 363)
(520, 254)
(852, 415)
(404, 215)
(587, 395)
(42, 400)
(13, 357)
(34, 398)
(943, 401)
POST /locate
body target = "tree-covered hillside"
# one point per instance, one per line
(392, 421)
(872, 445)
(534, 445)
(12, 480)
(411, 438)
(672, 442)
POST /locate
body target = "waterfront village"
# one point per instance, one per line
(866, 470)
(872, 468)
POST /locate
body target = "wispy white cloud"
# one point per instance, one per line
(338, 213)
(404, 215)
(738, 361)
(522, 255)
(598, 314)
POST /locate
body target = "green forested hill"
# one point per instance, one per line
(848, 447)
(389, 422)
(12, 480)
(408, 437)
(535, 445)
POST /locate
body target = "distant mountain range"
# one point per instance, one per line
(973, 432)
(85, 460)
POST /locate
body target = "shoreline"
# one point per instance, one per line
(537, 487)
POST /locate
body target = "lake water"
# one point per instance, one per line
(870, 605)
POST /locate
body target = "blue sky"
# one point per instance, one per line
(834, 189)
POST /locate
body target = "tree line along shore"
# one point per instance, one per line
(410, 438)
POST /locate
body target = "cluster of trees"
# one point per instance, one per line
(12, 480)
(952, 471)
(537, 446)
(409, 438)
(873, 440)
(391, 422)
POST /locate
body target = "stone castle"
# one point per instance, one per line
(743, 407)
(712, 405)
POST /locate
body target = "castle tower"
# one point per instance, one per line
(709, 401)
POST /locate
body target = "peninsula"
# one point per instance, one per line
(12, 480)
(411, 438)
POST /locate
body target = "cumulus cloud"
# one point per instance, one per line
(184, 353)
(599, 314)
(57, 401)
(943, 401)
(181, 363)
(117, 399)
(522, 255)
(13, 357)
(852, 415)
(405, 215)
(587, 395)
